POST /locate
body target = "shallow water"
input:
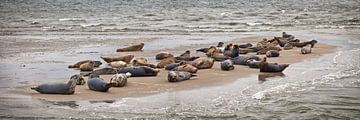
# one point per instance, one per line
(324, 88)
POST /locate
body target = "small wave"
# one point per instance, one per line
(253, 24)
(71, 19)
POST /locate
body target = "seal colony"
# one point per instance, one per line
(124, 68)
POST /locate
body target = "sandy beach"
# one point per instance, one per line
(140, 86)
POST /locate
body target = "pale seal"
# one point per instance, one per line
(137, 47)
(186, 67)
(126, 58)
(177, 76)
(120, 79)
(59, 88)
(306, 49)
(203, 63)
(77, 65)
(227, 65)
(118, 64)
(89, 66)
(98, 84)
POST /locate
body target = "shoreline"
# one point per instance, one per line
(143, 86)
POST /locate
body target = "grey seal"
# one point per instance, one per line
(176, 76)
(271, 67)
(139, 71)
(59, 88)
(227, 65)
(98, 84)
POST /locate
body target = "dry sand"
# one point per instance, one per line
(141, 86)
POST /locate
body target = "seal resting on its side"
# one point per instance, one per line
(126, 58)
(302, 44)
(186, 56)
(120, 79)
(163, 55)
(89, 66)
(103, 71)
(77, 65)
(227, 65)
(203, 63)
(252, 63)
(98, 84)
(139, 71)
(166, 61)
(288, 46)
(173, 65)
(306, 49)
(271, 67)
(187, 68)
(59, 88)
(137, 63)
(177, 76)
(272, 53)
(137, 47)
(241, 60)
(118, 64)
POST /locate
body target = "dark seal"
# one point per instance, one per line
(60, 88)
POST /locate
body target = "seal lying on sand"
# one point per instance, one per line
(203, 63)
(118, 64)
(166, 61)
(234, 52)
(163, 55)
(306, 49)
(264, 50)
(219, 47)
(126, 58)
(139, 71)
(77, 65)
(219, 57)
(247, 45)
(176, 76)
(227, 65)
(302, 44)
(98, 84)
(137, 47)
(136, 63)
(173, 65)
(252, 63)
(288, 46)
(80, 80)
(60, 88)
(186, 56)
(187, 68)
(89, 66)
(272, 53)
(271, 67)
(103, 71)
(285, 35)
(120, 79)
(242, 59)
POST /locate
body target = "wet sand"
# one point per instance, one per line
(141, 86)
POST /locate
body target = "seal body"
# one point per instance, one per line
(271, 67)
(203, 63)
(173, 65)
(126, 58)
(288, 46)
(118, 64)
(77, 65)
(137, 47)
(234, 52)
(98, 84)
(163, 55)
(103, 71)
(267, 48)
(247, 45)
(242, 59)
(227, 65)
(252, 63)
(176, 76)
(120, 80)
(187, 68)
(166, 61)
(89, 66)
(186, 56)
(219, 57)
(306, 49)
(142, 62)
(79, 80)
(139, 71)
(272, 53)
(59, 88)
(302, 44)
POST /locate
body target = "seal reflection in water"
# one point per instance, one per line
(137, 47)
(262, 77)
(176, 76)
(120, 79)
(271, 67)
(60, 88)
(98, 84)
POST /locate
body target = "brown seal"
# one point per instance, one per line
(126, 58)
(166, 61)
(89, 66)
(137, 47)
(302, 44)
(142, 63)
(203, 63)
(163, 55)
(186, 67)
(264, 50)
(186, 56)
(271, 67)
(77, 65)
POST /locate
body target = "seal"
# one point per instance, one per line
(219, 57)
(234, 52)
(139, 71)
(306, 49)
(163, 55)
(136, 63)
(117, 64)
(137, 47)
(126, 58)
(177, 76)
(77, 65)
(120, 79)
(252, 63)
(272, 53)
(288, 46)
(187, 68)
(186, 56)
(79, 80)
(96, 83)
(166, 61)
(271, 67)
(302, 44)
(141, 60)
(264, 50)
(203, 63)
(173, 65)
(262, 43)
(103, 71)
(247, 45)
(227, 65)
(59, 88)
(89, 66)
(285, 35)
(213, 50)
(242, 59)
